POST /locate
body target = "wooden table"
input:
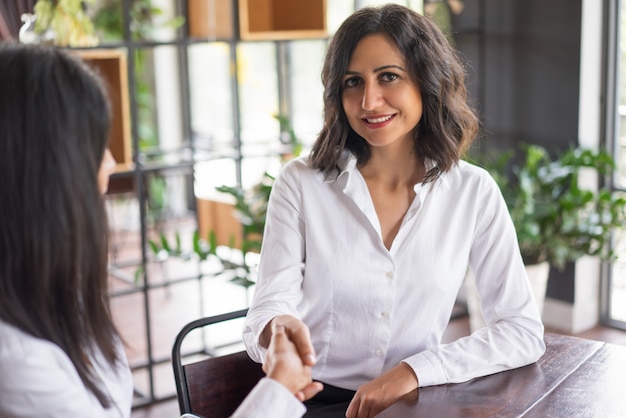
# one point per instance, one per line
(574, 378)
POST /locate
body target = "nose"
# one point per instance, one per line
(372, 96)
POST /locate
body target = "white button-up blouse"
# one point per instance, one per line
(368, 308)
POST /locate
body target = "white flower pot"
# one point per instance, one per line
(538, 277)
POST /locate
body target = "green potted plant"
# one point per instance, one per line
(557, 219)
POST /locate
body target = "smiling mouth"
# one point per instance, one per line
(378, 120)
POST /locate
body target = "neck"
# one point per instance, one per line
(394, 169)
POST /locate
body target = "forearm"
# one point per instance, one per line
(501, 347)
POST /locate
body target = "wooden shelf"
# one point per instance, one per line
(111, 65)
(282, 19)
(258, 19)
(210, 19)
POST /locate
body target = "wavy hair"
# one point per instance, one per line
(54, 124)
(448, 124)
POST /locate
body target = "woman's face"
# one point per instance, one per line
(382, 103)
(107, 166)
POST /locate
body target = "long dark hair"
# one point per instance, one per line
(448, 124)
(54, 123)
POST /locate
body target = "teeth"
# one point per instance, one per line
(378, 120)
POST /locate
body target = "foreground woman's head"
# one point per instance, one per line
(54, 124)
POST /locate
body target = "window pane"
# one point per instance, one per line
(307, 58)
(616, 309)
(258, 92)
(211, 105)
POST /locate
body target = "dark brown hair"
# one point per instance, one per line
(54, 123)
(448, 124)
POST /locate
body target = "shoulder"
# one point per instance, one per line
(472, 171)
(15, 342)
(298, 170)
(469, 185)
(20, 350)
(302, 165)
(466, 175)
(33, 368)
(36, 369)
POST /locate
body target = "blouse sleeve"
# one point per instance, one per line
(270, 399)
(278, 288)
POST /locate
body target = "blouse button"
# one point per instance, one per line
(379, 352)
(389, 275)
(385, 314)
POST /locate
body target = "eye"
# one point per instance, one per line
(351, 82)
(389, 77)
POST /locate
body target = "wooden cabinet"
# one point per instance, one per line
(111, 65)
(258, 19)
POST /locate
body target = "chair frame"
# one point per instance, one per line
(180, 375)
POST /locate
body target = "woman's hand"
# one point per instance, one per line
(283, 364)
(375, 396)
(297, 332)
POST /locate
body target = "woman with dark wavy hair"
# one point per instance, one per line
(368, 240)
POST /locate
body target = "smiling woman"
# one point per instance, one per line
(368, 239)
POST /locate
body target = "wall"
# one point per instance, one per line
(535, 75)
(523, 58)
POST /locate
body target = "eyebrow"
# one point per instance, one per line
(379, 69)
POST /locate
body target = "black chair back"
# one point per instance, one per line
(214, 387)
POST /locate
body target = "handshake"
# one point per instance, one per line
(284, 364)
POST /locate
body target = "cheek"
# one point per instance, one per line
(413, 102)
(351, 105)
(345, 103)
(108, 162)
(351, 115)
(106, 168)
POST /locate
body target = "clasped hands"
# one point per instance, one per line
(291, 356)
(283, 364)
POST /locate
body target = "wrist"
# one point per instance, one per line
(410, 375)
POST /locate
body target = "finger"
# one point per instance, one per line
(353, 408)
(310, 390)
(277, 328)
(364, 411)
(280, 342)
